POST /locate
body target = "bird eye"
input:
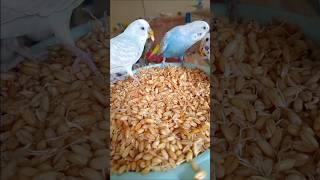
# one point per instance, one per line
(207, 39)
(204, 27)
(142, 28)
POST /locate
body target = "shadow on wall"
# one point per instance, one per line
(97, 8)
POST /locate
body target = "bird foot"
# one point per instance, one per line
(182, 63)
(136, 80)
(75, 66)
(26, 53)
(163, 65)
(86, 58)
(21, 57)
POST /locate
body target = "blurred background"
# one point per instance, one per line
(283, 20)
(303, 7)
(126, 11)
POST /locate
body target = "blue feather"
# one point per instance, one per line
(176, 45)
(180, 38)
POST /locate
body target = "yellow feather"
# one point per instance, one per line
(155, 50)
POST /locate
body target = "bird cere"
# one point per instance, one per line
(161, 118)
(266, 95)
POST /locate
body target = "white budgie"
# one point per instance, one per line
(127, 47)
(33, 17)
(204, 48)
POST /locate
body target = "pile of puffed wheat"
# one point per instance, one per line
(266, 92)
(161, 123)
(53, 122)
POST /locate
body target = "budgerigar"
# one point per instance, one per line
(32, 17)
(127, 47)
(204, 48)
(180, 38)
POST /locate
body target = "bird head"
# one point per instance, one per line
(204, 49)
(141, 28)
(198, 29)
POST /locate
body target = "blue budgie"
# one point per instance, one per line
(34, 18)
(127, 48)
(179, 39)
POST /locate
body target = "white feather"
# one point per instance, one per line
(29, 17)
(127, 48)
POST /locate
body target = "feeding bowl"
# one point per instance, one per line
(183, 171)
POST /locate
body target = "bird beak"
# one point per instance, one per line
(151, 34)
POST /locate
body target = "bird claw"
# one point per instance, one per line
(86, 58)
(136, 80)
(182, 63)
(23, 55)
(163, 65)
(75, 66)
(99, 75)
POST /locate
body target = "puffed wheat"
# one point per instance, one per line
(162, 122)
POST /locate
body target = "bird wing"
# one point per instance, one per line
(165, 39)
(169, 36)
(13, 9)
(124, 53)
(176, 41)
(164, 44)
